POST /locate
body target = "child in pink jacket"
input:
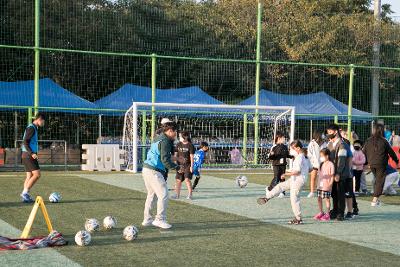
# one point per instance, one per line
(358, 163)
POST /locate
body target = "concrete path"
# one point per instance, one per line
(376, 228)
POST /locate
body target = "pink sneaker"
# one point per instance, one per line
(318, 216)
(326, 217)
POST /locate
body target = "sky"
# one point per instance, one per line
(395, 7)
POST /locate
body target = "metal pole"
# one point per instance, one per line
(244, 150)
(134, 138)
(311, 129)
(37, 56)
(350, 102)
(65, 155)
(100, 129)
(144, 136)
(258, 72)
(153, 93)
(376, 59)
(15, 140)
(29, 116)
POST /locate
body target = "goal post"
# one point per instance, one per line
(229, 130)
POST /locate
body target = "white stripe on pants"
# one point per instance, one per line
(294, 184)
(156, 189)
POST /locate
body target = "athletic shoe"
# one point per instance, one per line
(26, 198)
(189, 197)
(355, 212)
(319, 216)
(311, 195)
(339, 218)
(356, 194)
(281, 195)
(349, 216)
(174, 197)
(295, 221)
(147, 222)
(161, 224)
(376, 204)
(326, 217)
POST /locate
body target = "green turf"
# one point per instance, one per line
(264, 177)
(200, 237)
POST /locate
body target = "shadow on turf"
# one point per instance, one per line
(20, 204)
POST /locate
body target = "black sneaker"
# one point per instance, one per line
(333, 215)
(349, 216)
(295, 221)
(339, 218)
(355, 212)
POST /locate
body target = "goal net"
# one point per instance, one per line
(238, 136)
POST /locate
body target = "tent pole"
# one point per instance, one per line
(99, 129)
(350, 107)
(311, 129)
(153, 93)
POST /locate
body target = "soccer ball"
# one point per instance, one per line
(130, 232)
(109, 222)
(92, 225)
(241, 181)
(83, 238)
(55, 197)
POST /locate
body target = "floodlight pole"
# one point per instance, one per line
(350, 103)
(153, 93)
(37, 58)
(376, 59)
(257, 89)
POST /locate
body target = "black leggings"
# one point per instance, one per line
(357, 175)
(279, 170)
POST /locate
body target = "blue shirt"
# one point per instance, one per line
(30, 143)
(198, 160)
(390, 170)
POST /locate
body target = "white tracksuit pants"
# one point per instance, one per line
(295, 185)
(390, 179)
(156, 189)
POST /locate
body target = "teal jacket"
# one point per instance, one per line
(159, 155)
(30, 143)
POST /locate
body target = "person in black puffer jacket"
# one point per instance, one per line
(279, 153)
(377, 151)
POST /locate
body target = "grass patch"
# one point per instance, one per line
(200, 237)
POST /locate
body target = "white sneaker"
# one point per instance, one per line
(148, 222)
(161, 224)
(281, 195)
(189, 197)
(311, 195)
(174, 197)
(376, 204)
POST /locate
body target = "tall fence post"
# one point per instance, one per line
(37, 56)
(350, 102)
(244, 149)
(257, 89)
(153, 93)
(144, 136)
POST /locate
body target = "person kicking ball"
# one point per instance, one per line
(298, 175)
(155, 166)
(30, 149)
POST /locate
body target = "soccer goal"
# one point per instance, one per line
(238, 136)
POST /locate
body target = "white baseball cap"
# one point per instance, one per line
(165, 120)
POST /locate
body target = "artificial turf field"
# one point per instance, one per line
(207, 231)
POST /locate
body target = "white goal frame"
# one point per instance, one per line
(134, 111)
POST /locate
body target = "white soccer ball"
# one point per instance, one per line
(83, 238)
(109, 222)
(92, 225)
(241, 181)
(130, 232)
(55, 197)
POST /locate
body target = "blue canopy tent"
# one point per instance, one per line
(123, 98)
(51, 95)
(308, 104)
